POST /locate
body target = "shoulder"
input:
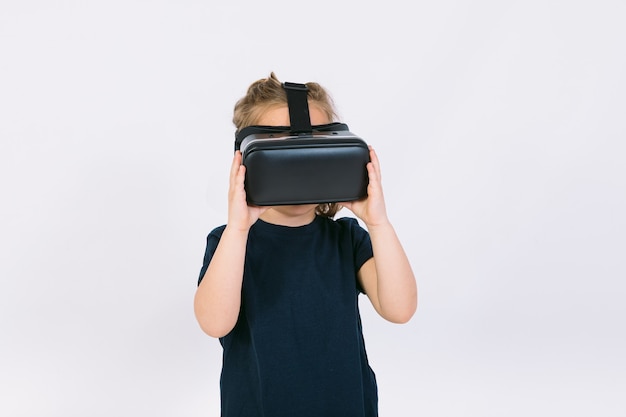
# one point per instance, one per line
(217, 232)
(351, 225)
(212, 241)
(213, 238)
(349, 229)
(347, 222)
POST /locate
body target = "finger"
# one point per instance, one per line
(236, 189)
(234, 168)
(375, 161)
(240, 177)
(373, 174)
(236, 163)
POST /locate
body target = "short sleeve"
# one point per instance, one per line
(212, 241)
(361, 243)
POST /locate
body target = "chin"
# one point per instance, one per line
(296, 210)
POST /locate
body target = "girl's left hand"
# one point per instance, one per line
(372, 208)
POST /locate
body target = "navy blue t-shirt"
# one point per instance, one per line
(297, 348)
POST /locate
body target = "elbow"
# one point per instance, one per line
(212, 324)
(402, 314)
(215, 331)
(213, 321)
(402, 317)
(212, 327)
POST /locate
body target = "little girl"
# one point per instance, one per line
(279, 286)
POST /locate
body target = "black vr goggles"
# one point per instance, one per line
(302, 164)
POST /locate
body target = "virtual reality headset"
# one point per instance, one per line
(300, 163)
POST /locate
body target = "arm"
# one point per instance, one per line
(218, 297)
(387, 278)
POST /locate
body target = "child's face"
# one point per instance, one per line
(279, 116)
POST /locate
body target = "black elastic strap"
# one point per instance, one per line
(297, 100)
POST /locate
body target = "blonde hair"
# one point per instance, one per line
(268, 92)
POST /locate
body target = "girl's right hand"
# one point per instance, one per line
(240, 215)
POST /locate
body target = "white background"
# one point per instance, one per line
(500, 128)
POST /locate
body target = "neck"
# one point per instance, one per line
(292, 216)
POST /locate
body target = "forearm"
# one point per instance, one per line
(218, 297)
(395, 283)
